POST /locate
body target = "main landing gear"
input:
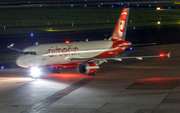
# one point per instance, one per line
(57, 70)
(94, 74)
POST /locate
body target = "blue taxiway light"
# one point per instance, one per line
(98, 5)
(71, 5)
(127, 4)
(149, 5)
(85, 5)
(130, 48)
(169, 7)
(2, 67)
(137, 4)
(121, 3)
(32, 34)
(118, 3)
(134, 27)
(112, 6)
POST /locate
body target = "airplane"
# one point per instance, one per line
(86, 56)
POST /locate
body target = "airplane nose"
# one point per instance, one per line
(20, 62)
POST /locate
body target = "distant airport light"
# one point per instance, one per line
(149, 5)
(71, 5)
(127, 4)
(2, 67)
(158, 8)
(112, 6)
(32, 34)
(137, 4)
(169, 7)
(67, 41)
(158, 22)
(118, 3)
(85, 5)
(98, 5)
(121, 3)
(134, 27)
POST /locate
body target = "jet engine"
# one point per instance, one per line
(88, 68)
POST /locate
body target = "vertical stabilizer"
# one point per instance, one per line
(121, 26)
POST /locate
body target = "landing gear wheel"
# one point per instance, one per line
(59, 70)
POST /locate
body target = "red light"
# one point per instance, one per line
(67, 41)
(161, 55)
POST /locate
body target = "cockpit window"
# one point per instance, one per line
(28, 53)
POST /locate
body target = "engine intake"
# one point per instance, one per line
(87, 68)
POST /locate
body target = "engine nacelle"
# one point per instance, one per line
(87, 68)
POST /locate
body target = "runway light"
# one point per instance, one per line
(67, 41)
(2, 67)
(98, 5)
(149, 5)
(71, 5)
(32, 34)
(158, 8)
(85, 5)
(112, 6)
(35, 72)
(137, 4)
(158, 22)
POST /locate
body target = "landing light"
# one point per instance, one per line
(67, 41)
(35, 72)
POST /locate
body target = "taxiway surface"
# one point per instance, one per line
(130, 86)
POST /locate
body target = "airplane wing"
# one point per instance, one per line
(119, 58)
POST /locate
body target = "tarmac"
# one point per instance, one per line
(129, 86)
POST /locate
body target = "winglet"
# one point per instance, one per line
(168, 55)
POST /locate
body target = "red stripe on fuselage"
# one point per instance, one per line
(116, 48)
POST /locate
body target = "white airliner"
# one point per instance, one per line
(87, 56)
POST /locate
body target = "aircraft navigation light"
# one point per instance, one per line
(161, 55)
(2, 67)
(71, 5)
(67, 41)
(35, 72)
(158, 8)
(137, 4)
(112, 6)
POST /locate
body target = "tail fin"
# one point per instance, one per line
(121, 26)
